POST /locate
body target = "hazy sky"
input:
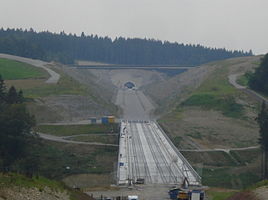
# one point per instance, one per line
(233, 24)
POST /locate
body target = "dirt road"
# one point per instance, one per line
(54, 77)
(215, 150)
(232, 80)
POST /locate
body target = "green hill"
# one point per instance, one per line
(12, 70)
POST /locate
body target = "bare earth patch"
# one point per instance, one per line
(210, 129)
(261, 193)
(25, 83)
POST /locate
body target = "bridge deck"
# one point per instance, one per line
(146, 152)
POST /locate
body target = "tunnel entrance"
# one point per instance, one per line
(129, 85)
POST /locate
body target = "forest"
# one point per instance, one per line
(67, 48)
(258, 80)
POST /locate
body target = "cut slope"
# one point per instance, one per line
(214, 114)
(207, 112)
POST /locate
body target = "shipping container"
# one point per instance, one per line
(104, 120)
(173, 193)
(111, 119)
(183, 195)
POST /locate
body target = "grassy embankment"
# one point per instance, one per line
(67, 130)
(102, 133)
(219, 194)
(12, 70)
(59, 160)
(55, 157)
(82, 159)
(216, 115)
(244, 79)
(32, 80)
(216, 93)
(253, 192)
(214, 99)
(15, 182)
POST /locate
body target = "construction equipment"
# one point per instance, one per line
(187, 192)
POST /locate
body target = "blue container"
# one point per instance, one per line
(121, 164)
(104, 120)
(174, 193)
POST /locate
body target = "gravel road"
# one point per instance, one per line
(54, 77)
(214, 150)
(232, 80)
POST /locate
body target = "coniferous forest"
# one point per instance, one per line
(258, 80)
(67, 48)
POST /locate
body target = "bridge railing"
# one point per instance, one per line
(184, 160)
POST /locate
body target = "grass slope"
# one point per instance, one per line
(219, 194)
(65, 86)
(14, 183)
(216, 115)
(13, 179)
(216, 93)
(257, 191)
(59, 160)
(66, 130)
(12, 70)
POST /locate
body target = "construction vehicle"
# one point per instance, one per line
(187, 192)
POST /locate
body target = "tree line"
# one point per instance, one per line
(67, 48)
(16, 137)
(259, 79)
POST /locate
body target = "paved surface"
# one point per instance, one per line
(54, 77)
(145, 192)
(146, 152)
(134, 103)
(64, 140)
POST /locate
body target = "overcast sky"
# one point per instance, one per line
(233, 24)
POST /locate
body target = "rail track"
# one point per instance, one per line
(151, 156)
